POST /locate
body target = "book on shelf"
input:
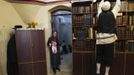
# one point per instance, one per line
(131, 19)
(130, 45)
(120, 45)
(93, 8)
(90, 33)
(131, 7)
(87, 9)
(123, 6)
(88, 20)
(80, 33)
(90, 44)
(74, 9)
(121, 31)
(119, 21)
(81, 9)
(130, 34)
(124, 20)
(78, 20)
(78, 10)
(94, 20)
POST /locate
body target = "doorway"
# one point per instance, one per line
(62, 23)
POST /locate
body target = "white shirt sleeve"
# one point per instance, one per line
(116, 8)
(99, 7)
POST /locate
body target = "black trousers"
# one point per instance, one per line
(105, 54)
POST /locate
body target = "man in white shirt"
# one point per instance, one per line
(106, 29)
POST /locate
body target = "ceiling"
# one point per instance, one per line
(48, 1)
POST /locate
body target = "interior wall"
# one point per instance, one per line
(23, 13)
(8, 18)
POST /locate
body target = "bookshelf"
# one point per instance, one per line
(84, 22)
(130, 39)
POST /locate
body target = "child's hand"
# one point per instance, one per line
(94, 1)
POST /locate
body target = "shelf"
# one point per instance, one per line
(123, 25)
(84, 13)
(130, 0)
(128, 52)
(83, 26)
(83, 39)
(83, 51)
(119, 52)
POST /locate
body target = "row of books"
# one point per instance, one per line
(131, 7)
(83, 33)
(93, 7)
(84, 20)
(121, 20)
(121, 31)
(90, 45)
(85, 9)
(130, 45)
(120, 46)
(89, 19)
(130, 35)
(123, 46)
(84, 45)
(124, 5)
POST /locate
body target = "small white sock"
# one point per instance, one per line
(106, 73)
(98, 68)
(107, 70)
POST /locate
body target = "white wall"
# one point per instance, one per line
(8, 18)
(23, 13)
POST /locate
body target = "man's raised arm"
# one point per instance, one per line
(116, 8)
(99, 7)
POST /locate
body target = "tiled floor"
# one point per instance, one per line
(61, 73)
(66, 65)
(64, 73)
(66, 62)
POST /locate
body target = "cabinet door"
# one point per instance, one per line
(39, 68)
(38, 45)
(31, 52)
(24, 53)
(130, 64)
(38, 52)
(118, 64)
(88, 64)
(77, 64)
(25, 69)
(23, 46)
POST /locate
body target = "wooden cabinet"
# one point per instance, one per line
(118, 64)
(83, 63)
(31, 52)
(83, 21)
(129, 70)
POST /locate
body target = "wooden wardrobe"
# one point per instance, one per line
(31, 53)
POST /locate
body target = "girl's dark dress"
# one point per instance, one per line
(54, 57)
